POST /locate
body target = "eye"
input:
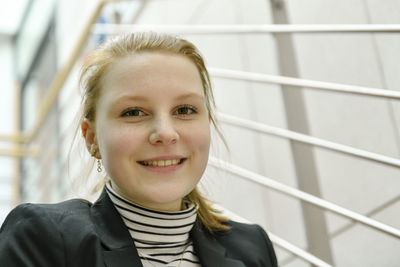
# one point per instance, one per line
(133, 112)
(185, 110)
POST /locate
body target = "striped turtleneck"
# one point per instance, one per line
(161, 238)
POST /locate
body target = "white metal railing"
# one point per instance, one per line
(248, 28)
(267, 129)
(293, 192)
(282, 80)
(301, 253)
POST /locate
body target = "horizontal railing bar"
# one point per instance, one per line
(247, 28)
(371, 213)
(18, 152)
(297, 251)
(293, 192)
(282, 80)
(280, 241)
(13, 138)
(267, 129)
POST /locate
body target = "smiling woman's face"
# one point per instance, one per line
(152, 128)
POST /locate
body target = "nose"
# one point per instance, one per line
(163, 132)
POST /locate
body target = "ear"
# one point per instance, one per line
(88, 132)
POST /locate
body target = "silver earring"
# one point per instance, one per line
(99, 169)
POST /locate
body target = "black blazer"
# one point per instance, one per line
(78, 233)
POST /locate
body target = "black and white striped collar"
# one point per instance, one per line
(151, 226)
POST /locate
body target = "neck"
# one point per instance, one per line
(176, 205)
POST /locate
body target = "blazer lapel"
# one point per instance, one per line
(119, 248)
(210, 252)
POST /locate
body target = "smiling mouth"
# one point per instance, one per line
(162, 163)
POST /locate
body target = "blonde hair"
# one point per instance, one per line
(97, 64)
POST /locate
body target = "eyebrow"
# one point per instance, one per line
(130, 97)
(190, 95)
(145, 99)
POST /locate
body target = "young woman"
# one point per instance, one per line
(148, 106)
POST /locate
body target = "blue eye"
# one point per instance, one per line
(133, 112)
(185, 110)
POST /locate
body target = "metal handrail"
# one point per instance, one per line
(248, 28)
(293, 192)
(297, 82)
(19, 152)
(286, 245)
(13, 138)
(267, 129)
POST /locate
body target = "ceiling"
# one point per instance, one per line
(11, 13)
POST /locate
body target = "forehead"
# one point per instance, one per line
(146, 70)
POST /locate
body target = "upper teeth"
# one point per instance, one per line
(162, 163)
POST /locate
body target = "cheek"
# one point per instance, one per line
(200, 138)
(201, 141)
(118, 141)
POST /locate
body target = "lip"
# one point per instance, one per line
(166, 157)
(164, 169)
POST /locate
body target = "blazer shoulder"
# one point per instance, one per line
(37, 234)
(46, 212)
(248, 241)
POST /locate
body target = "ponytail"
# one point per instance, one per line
(209, 216)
